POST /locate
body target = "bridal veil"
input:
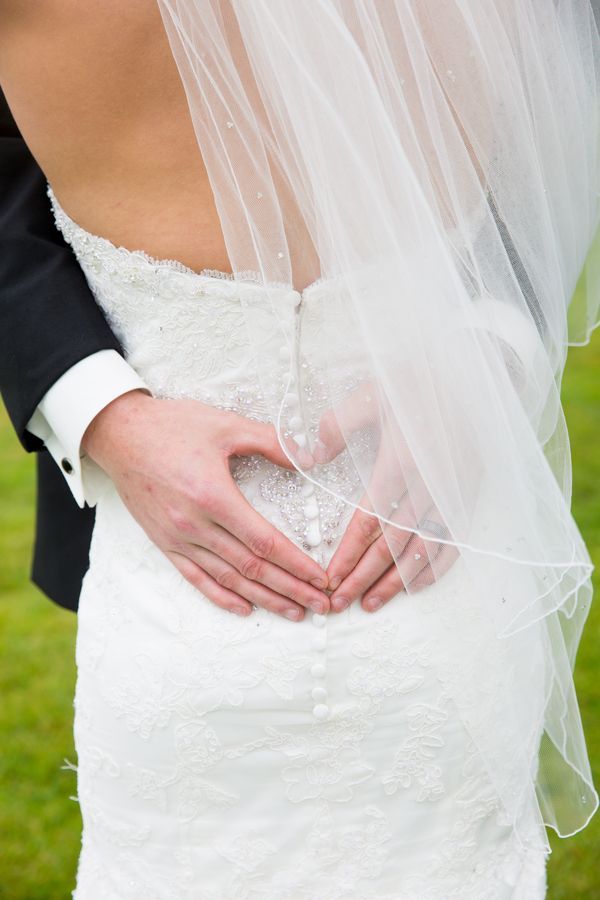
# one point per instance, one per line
(433, 170)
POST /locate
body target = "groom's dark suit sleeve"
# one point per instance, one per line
(49, 322)
(48, 317)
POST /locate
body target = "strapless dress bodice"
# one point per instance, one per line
(187, 333)
(235, 344)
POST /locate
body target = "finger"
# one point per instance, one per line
(253, 567)
(240, 518)
(230, 579)
(359, 546)
(391, 545)
(407, 565)
(363, 529)
(330, 439)
(336, 424)
(385, 588)
(371, 566)
(420, 565)
(257, 437)
(389, 496)
(436, 568)
(207, 586)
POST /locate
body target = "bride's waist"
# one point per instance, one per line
(280, 389)
(239, 342)
(238, 347)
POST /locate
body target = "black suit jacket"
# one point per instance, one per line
(49, 321)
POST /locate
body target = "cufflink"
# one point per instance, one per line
(67, 465)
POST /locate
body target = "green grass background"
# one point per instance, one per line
(39, 823)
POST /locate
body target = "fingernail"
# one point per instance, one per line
(317, 606)
(335, 582)
(240, 610)
(319, 583)
(340, 603)
(292, 614)
(374, 603)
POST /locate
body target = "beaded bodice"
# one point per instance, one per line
(233, 344)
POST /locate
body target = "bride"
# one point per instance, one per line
(338, 242)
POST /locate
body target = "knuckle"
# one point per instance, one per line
(252, 568)
(263, 545)
(295, 595)
(368, 526)
(179, 521)
(227, 578)
(179, 546)
(205, 495)
(195, 577)
(396, 541)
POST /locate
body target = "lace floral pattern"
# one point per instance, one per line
(222, 758)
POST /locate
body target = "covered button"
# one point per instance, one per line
(320, 711)
(317, 670)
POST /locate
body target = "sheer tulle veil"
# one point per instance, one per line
(424, 178)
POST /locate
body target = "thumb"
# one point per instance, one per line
(330, 440)
(353, 413)
(261, 438)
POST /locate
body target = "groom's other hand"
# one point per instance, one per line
(378, 558)
(181, 491)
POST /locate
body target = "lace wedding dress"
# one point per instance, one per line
(229, 758)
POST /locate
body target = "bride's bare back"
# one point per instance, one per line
(96, 94)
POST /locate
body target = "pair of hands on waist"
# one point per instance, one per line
(187, 502)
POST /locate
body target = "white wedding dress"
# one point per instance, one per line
(229, 758)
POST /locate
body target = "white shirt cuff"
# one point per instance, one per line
(68, 407)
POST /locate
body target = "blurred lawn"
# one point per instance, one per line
(40, 825)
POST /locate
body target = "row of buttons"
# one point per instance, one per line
(313, 539)
(318, 671)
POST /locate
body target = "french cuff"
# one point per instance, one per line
(68, 407)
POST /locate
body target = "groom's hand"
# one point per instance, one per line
(169, 460)
(375, 559)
